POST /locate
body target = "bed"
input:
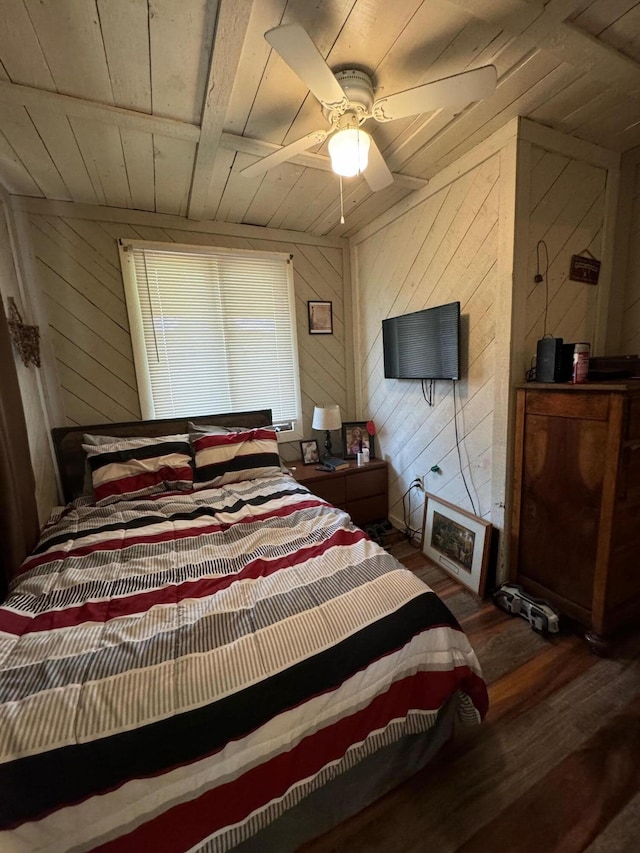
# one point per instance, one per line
(217, 661)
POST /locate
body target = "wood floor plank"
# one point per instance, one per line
(522, 688)
(504, 646)
(559, 751)
(496, 766)
(622, 832)
(570, 806)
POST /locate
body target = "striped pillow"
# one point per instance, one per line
(132, 468)
(235, 456)
(214, 429)
(87, 483)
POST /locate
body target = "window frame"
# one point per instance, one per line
(136, 326)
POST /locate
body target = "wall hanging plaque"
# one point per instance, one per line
(584, 268)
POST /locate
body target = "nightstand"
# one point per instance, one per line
(363, 491)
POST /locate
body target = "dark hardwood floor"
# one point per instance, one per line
(555, 767)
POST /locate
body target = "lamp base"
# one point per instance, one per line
(327, 445)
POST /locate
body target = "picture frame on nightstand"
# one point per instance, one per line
(309, 452)
(355, 438)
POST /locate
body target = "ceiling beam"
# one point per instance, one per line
(213, 115)
(231, 28)
(545, 27)
(27, 96)
(312, 161)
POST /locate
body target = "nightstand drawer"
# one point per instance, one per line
(366, 510)
(364, 484)
(361, 491)
(329, 490)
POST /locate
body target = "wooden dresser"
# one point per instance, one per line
(576, 501)
(362, 491)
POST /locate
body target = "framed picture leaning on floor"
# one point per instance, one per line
(457, 541)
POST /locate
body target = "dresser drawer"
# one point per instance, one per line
(629, 476)
(633, 423)
(364, 484)
(568, 404)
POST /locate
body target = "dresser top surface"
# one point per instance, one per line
(306, 473)
(613, 385)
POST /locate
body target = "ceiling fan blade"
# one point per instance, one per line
(294, 45)
(285, 153)
(451, 92)
(377, 173)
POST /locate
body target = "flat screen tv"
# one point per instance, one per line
(423, 344)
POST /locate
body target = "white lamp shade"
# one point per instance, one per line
(349, 151)
(327, 417)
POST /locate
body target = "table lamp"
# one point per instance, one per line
(327, 418)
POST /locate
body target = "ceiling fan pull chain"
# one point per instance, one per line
(341, 203)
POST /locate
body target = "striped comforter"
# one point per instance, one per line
(176, 672)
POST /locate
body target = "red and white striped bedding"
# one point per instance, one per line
(176, 672)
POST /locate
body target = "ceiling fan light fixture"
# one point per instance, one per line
(349, 151)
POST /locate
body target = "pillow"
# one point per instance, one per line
(235, 456)
(99, 440)
(87, 483)
(137, 467)
(215, 429)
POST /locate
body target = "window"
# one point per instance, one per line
(213, 330)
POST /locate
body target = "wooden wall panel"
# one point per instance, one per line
(30, 378)
(630, 337)
(567, 214)
(79, 275)
(443, 250)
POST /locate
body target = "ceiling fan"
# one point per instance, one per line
(347, 102)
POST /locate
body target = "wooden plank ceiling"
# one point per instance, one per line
(158, 104)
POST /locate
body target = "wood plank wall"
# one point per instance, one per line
(630, 332)
(79, 274)
(29, 378)
(444, 249)
(567, 211)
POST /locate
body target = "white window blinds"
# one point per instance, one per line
(213, 330)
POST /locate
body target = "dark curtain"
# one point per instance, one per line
(18, 511)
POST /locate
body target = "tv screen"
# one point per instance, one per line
(424, 344)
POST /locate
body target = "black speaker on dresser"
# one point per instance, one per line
(549, 360)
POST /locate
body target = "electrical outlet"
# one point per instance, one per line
(420, 483)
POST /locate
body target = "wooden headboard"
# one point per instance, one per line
(71, 458)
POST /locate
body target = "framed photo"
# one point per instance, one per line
(320, 318)
(457, 541)
(309, 452)
(355, 438)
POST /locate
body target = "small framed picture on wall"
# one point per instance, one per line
(320, 317)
